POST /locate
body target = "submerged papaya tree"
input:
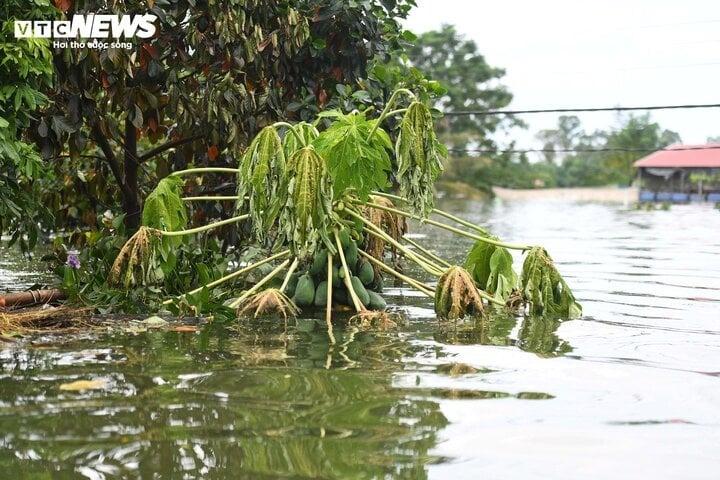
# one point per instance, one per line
(317, 199)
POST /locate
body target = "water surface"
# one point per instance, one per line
(631, 390)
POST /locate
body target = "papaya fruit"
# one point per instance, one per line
(292, 284)
(366, 273)
(321, 294)
(360, 290)
(351, 255)
(341, 272)
(305, 290)
(377, 302)
(319, 264)
(344, 236)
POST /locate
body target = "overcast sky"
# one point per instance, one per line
(570, 53)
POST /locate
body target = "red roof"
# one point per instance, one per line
(699, 156)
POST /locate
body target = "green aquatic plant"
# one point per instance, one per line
(317, 192)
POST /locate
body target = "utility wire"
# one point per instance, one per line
(570, 110)
(583, 150)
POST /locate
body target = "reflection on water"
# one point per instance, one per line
(628, 391)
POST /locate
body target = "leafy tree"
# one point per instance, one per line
(212, 76)
(567, 134)
(471, 84)
(25, 71)
(637, 132)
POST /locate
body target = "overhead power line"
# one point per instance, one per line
(583, 150)
(571, 110)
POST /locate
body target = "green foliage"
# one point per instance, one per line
(491, 267)
(419, 157)
(545, 289)
(164, 208)
(307, 215)
(25, 71)
(355, 159)
(262, 179)
(215, 73)
(304, 130)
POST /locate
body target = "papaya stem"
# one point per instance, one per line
(450, 228)
(209, 226)
(427, 252)
(259, 284)
(290, 271)
(372, 229)
(388, 105)
(232, 275)
(210, 198)
(292, 129)
(347, 279)
(442, 213)
(410, 281)
(204, 170)
(328, 300)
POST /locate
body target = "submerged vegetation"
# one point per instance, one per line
(313, 201)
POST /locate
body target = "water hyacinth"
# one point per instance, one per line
(73, 260)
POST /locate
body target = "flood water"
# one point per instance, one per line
(631, 390)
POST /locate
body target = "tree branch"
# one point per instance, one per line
(104, 145)
(167, 146)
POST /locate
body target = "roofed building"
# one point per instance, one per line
(680, 173)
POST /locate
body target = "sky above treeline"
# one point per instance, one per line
(573, 54)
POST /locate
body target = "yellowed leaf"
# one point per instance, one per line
(83, 385)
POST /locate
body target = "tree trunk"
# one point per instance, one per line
(131, 202)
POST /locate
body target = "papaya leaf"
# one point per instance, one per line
(306, 131)
(353, 161)
(308, 216)
(164, 208)
(262, 179)
(544, 288)
(419, 157)
(491, 267)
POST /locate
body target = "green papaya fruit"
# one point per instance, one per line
(366, 273)
(341, 272)
(360, 290)
(305, 290)
(344, 238)
(351, 255)
(377, 302)
(319, 264)
(321, 294)
(292, 284)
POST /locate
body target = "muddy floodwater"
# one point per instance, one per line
(631, 390)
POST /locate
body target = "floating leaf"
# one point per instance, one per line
(544, 288)
(262, 179)
(419, 157)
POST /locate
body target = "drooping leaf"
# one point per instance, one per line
(355, 161)
(307, 216)
(262, 179)
(290, 142)
(419, 157)
(491, 267)
(456, 295)
(164, 208)
(544, 288)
